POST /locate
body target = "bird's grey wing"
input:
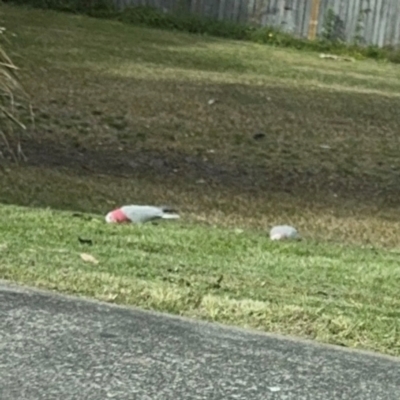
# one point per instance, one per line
(140, 214)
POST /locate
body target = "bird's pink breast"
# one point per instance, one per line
(118, 216)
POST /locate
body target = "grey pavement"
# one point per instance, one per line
(56, 347)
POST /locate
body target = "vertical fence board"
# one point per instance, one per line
(280, 8)
(257, 10)
(215, 9)
(240, 11)
(323, 9)
(205, 9)
(376, 12)
(295, 17)
(347, 21)
(355, 20)
(306, 18)
(251, 4)
(369, 26)
(393, 16)
(229, 10)
(287, 19)
(345, 12)
(389, 23)
(266, 8)
(299, 16)
(221, 10)
(200, 8)
(394, 38)
(235, 10)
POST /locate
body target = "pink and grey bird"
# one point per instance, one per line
(140, 214)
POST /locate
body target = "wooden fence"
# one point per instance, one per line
(368, 22)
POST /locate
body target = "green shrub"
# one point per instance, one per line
(152, 17)
(103, 8)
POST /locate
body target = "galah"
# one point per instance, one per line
(282, 232)
(140, 214)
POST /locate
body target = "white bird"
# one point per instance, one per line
(140, 214)
(281, 232)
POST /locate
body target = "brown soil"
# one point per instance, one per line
(157, 165)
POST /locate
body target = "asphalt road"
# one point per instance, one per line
(55, 347)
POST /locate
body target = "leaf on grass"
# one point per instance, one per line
(89, 258)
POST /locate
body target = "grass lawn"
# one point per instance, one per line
(123, 116)
(333, 293)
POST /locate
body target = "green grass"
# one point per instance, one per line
(333, 293)
(122, 116)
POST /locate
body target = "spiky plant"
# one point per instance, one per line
(11, 94)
